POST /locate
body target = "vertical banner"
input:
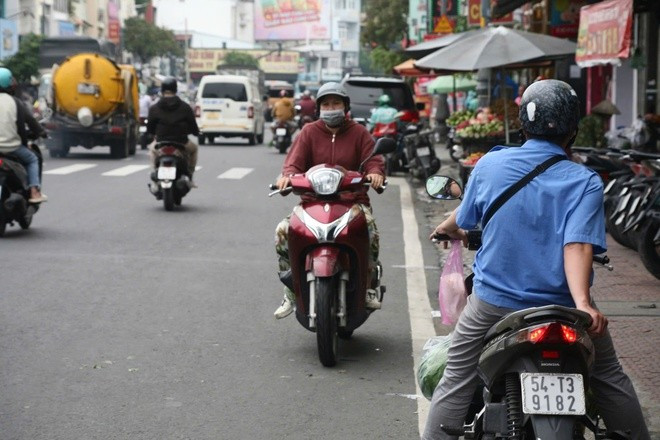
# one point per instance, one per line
(8, 38)
(113, 22)
(604, 33)
(474, 13)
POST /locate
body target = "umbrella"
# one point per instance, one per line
(422, 49)
(450, 83)
(407, 68)
(496, 47)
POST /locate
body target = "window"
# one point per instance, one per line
(61, 5)
(342, 32)
(233, 91)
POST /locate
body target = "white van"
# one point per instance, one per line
(229, 106)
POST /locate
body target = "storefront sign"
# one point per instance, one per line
(443, 26)
(604, 33)
(474, 17)
(207, 60)
(564, 18)
(451, 12)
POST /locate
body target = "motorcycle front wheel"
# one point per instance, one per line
(326, 320)
(649, 248)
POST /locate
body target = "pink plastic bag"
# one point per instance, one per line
(451, 291)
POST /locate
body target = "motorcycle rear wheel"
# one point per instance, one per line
(168, 199)
(648, 250)
(326, 320)
(282, 147)
(25, 222)
(3, 223)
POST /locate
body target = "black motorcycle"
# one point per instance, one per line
(420, 152)
(15, 193)
(282, 136)
(534, 368)
(171, 180)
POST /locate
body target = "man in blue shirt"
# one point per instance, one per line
(536, 250)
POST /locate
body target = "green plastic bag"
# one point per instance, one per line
(433, 363)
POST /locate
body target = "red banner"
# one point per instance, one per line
(113, 31)
(604, 33)
(474, 13)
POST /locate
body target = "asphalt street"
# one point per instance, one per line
(119, 320)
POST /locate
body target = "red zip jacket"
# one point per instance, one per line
(352, 144)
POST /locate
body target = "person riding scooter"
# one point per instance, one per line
(171, 119)
(283, 113)
(384, 113)
(13, 137)
(334, 139)
(307, 110)
(537, 250)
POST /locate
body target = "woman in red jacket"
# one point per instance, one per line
(334, 139)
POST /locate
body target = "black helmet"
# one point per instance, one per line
(168, 85)
(332, 88)
(549, 108)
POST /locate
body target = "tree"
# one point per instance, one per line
(146, 40)
(384, 60)
(386, 22)
(240, 59)
(24, 64)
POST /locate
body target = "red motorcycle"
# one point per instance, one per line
(329, 254)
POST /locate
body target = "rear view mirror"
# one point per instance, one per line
(443, 188)
(384, 145)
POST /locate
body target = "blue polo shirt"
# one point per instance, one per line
(521, 261)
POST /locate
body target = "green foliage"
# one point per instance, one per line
(383, 60)
(385, 23)
(25, 63)
(240, 59)
(146, 40)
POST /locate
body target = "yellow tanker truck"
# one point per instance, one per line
(95, 103)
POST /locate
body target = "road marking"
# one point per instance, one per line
(235, 173)
(125, 171)
(419, 306)
(71, 168)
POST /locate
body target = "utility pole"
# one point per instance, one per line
(185, 52)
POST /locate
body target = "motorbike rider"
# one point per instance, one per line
(307, 108)
(171, 119)
(384, 113)
(13, 137)
(284, 111)
(537, 250)
(337, 140)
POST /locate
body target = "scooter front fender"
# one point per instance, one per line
(323, 261)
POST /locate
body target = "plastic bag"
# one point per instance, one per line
(451, 291)
(433, 363)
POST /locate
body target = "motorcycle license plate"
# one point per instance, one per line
(423, 151)
(550, 393)
(143, 129)
(166, 173)
(280, 131)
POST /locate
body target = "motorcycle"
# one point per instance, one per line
(395, 161)
(283, 135)
(329, 254)
(420, 153)
(14, 191)
(534, 367)
(170, 180)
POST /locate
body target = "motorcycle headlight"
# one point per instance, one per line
(325, 181)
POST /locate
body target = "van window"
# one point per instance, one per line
(233, 91)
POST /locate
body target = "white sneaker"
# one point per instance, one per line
(372, 302)
(285, 309)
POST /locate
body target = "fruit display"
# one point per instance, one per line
(472, 159)
(493, 128)
(459, 117)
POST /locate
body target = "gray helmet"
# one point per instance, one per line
(168, 85)
(332, 88)
(549, 108)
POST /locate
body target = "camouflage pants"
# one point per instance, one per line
(282, 243)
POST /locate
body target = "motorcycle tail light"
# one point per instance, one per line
(409, 116)
(568, 334)
(168, 150)
(552, 333)
(115, 129)
(198, 111)
(250, 112)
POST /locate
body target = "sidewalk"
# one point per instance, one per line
(629, 296)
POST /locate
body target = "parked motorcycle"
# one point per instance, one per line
(283, 133)
(420, 152)
(170, 180)
(14, 191)
(534, 367)
(329, 254)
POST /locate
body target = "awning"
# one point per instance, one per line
(604, 33)
(407, 68)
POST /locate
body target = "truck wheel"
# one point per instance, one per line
(252, 139)
(260, 138)
(119, 149)
(132, 143)
(58, 152)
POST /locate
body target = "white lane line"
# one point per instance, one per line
(71, 168)
(125, 171)
(419, 306)
(235, 173)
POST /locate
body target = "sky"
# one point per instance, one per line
(206, 16)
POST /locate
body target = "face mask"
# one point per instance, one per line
(332, 118)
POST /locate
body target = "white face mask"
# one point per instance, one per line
(332, 118)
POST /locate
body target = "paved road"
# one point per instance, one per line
(119, 320)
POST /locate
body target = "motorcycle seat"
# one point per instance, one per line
(536, 315)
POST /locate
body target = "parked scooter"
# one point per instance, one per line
(329, 250)
(171, 179)
(14, 191)
(420, 152)
(534, 366)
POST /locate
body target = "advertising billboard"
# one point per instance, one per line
(206, 60)
(8, 38)
(292, 19)
(604, 33)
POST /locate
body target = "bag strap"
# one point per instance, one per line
(506, 195)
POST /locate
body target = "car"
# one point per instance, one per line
(365, 91)
(229, 106)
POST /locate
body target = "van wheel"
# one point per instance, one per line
(260, 138)
(210, 138)
(252, 139)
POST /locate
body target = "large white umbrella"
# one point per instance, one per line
(427, 47)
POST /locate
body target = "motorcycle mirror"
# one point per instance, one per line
(443, 188)
(384, 145)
